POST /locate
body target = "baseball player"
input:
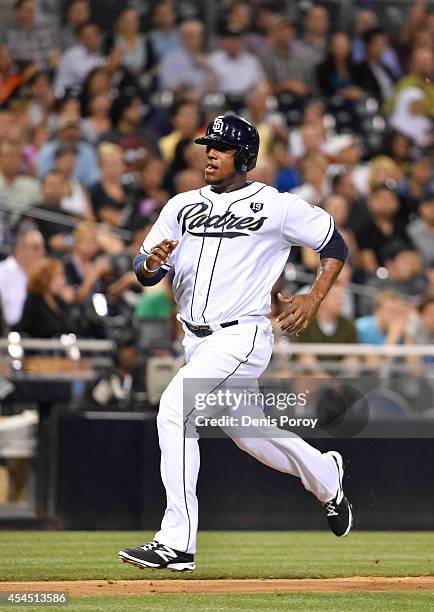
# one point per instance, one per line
(228, 243)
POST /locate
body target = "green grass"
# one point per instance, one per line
(336, 602)
(74, 555)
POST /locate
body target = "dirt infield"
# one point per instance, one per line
(149, 587)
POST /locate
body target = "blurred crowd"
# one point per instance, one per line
(96, 134)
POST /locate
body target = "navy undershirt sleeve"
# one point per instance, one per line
(336, 248)
(147, 282)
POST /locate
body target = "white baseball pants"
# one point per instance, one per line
(244, 351)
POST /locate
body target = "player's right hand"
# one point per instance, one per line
(160, 254)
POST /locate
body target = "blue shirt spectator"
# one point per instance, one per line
(86, 168)
(368, 332)
(186, 65)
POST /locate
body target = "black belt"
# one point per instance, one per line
(205, 330)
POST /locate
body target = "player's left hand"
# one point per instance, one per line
(301, 309)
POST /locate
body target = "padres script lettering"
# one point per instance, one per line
(195, 216)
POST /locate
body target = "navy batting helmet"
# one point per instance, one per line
(236, 132)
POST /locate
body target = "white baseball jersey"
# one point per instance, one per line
(233, 247)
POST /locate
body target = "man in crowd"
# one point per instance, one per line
(372, 74)
(236, 71)
(86, 168)
(187, 64)
(28, 249)
(32, 41)
(77, 61)
(421, 230)
(17, 191)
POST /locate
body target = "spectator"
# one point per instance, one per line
(42, 98)
(413, 187)
(111, 201)
(411, 108)
(185, 119)
(312, 129)
(188, 179)
(313, 46)
(373, 76)
(311, 141)
(66, 107)
(17, 191)
(337, 75)
(77, 14)
(343, 185)
(429, 271)
(403, 273)
(131, 46)
(329, 326)
(97, 121)
(164, 36)
(240, 17)
(57, 235)
(387, 323)
(123, 281)
(187, 65)
(97, 83)
(14, 270)
(338, 207)
(10, 78)
(86, 169)
(286, 174)
(37, 137)
(417, 30)
(151, 197)
(397, 146)
(236, 71)
(420, 326)
(380, 230)
(83, 269)
(77, 61)
(345, 153)
(32, 41)
(75, 200)
(365, 21)
(315, 187)
(284, 64)
(47, 311)
(421, 230)
(116, 388)
(187, 155)
(268, 122)
(128, 132)
(382, 170)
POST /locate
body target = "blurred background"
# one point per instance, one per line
(100, 102)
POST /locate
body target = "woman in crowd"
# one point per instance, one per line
(98, 82)
(397, 147)
(75, 200)
(151, 197)
(83, 269)
(97, 120)
(132, 47)
(111, 201)
(47, 310)
(337, 75)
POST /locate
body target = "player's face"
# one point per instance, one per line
(219, 164)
